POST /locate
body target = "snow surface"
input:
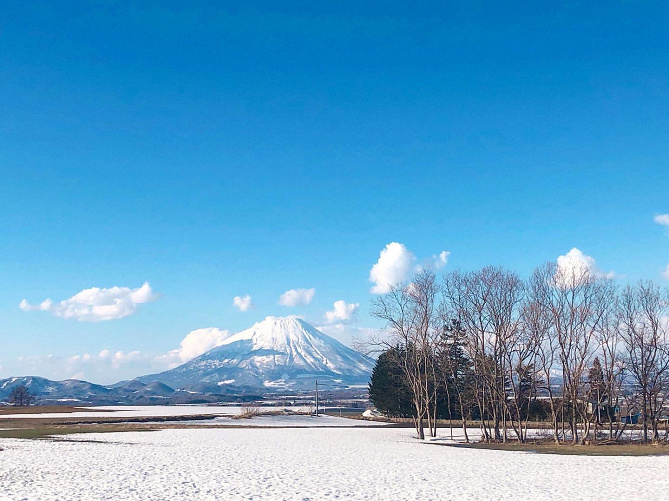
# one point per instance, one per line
(288, 421)
(226, 413)
(316, 463)
(132, 411)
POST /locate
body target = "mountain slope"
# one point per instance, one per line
(74, 391)
(48, 391)
(275, 353)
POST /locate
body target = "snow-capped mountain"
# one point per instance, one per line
(74, 391)
(279, 353)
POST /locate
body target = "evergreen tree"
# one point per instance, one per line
(388, 389)
(458, 370)
(597, 387)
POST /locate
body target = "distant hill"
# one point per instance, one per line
(75, 392)
(274, 356)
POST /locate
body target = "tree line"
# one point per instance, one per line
(566, 346)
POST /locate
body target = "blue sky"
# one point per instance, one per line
(251, 148)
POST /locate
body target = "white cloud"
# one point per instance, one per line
(662, 219)
(103, 368)
(295, 297)
(342, 312)
(394, 266)
(242, 303)
(665, 273)
(576, 266)
(43, 306)
(96, 304)
(441, 260)
(197, 342)
(349, 334)
(120, 358)
(109, 366)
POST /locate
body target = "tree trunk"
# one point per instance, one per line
(645, 418)
(419, 428)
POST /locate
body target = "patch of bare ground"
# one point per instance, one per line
(47, 432)
(37, 428)
(549, 447)
(42, 409)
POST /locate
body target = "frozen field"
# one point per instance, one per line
(315, 463)
(288, 421)
(130, 411)
(225, 413)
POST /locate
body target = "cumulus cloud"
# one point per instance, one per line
(242, 303)
(349, 335)
(342, 312)
(96, 304)
(199, 341)
(441, 260)
(45, 305)
(395, 265)
(120, 358)
(111, 366)
(575, 266)
(103, 368)
(662, 219)
(295, 297)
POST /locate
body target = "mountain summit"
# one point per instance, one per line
(277, 353)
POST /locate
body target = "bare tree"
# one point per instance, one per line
(642, 314)
(513, 349)
(496, 343)
(613, 372)
(576, 302)
(20, 396)
(467, 297)
(486, 303)
(456, 369)
(537, 320)
(410, 312)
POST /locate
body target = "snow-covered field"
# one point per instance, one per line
(130, 411)
(288, 421)
(225, 413)
(315, 463)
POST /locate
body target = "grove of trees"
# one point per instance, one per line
(564, 346)
(21, 395)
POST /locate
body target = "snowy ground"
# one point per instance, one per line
(134, 411)
(288, 421)
(226, 414)
(316, 463)
(130, 411)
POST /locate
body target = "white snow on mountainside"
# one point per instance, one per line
(279, 352)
